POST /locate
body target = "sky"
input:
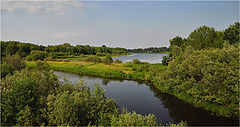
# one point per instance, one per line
(128, 24)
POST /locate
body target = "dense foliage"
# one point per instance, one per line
(33, 97)
(207, 37)
(231, 34)
(207, 76)
(11, 63)
(39, 52)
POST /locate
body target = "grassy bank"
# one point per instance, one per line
(83, 57)
(122, 70)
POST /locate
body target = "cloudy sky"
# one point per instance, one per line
(128, 24)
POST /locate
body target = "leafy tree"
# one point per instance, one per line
(37, 55)
(231, 34)
(204, 37)
(177, 41)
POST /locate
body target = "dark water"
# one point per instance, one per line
(145, 99)
(143, 57)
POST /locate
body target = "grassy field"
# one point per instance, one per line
(115, 70)
(90, 68)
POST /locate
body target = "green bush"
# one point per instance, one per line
(133, 119)
(117, 61)
(48, 58)
(37, 55)
(23, 97)
(136, 61)
(42, 65)
(79, 106)
(107, 60)
(165, 60)
(207, 76)
(6, 68)
(93, 59)
(16, 62)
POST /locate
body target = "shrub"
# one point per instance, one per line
(136, 61)
(6, 68)
(16, 62)
(210, 75)
(93, 59)
(117, 61)
(24, 97)
(36, 55)
(107, 60)
(79, 106)
(133, 119)
(42, 65)
(48, 58)
(165, 60)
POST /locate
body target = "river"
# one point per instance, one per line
(143, 57)
(145, 99)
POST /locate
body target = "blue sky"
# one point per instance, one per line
(125, 24)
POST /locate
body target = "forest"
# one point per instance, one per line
(202, 70)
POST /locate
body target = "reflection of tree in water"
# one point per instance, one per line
(105, 82)
(180, 110)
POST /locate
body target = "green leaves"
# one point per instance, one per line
(209, 75)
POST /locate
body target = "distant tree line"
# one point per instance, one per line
(40, 52)
(149, 50)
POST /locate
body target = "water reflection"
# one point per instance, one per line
(180, 110)
(144, 57)
(145, 99)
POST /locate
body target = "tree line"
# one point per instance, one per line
(25, 49)
(149, 50)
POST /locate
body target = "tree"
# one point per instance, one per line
(204, 37)
(37, 55)
(177, 41)
(231, 34)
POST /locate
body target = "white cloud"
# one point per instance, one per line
(41, 7)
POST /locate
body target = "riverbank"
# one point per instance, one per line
(143, 72)
(82, 57)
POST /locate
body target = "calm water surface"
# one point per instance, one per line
(145, 99)
(143, 57)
